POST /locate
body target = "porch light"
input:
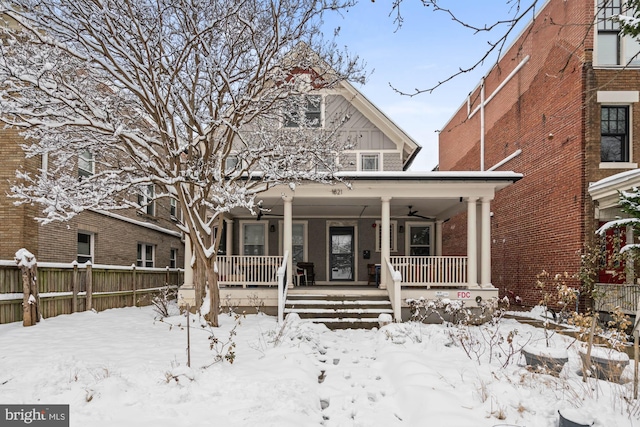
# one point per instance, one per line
(272, 228)
(401, 229)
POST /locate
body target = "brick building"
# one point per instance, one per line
(560, 107)
(147, 238)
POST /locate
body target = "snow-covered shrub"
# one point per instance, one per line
(439, 310)
(164, 302)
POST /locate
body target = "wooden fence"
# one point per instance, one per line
(69, 288)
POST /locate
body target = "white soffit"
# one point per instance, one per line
(606, 190)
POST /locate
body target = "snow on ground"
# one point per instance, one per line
(122, 367)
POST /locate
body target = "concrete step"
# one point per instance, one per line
(340, 311)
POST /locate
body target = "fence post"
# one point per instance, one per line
(134, 287)
(166, 277)
(89, 280)
(74, 284)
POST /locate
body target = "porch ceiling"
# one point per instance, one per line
(363, 207)
(434, 195)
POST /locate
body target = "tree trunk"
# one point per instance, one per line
(214, 293)
(199, 281)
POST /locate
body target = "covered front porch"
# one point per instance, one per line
(373, 231)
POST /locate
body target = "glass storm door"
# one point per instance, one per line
(341, 253)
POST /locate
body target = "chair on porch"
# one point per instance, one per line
(298, 274)
(307, 271)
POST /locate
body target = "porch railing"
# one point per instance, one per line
(431, 270)
(613, 295)
(248, 270)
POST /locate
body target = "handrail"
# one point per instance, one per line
(393, 279)
(282, 287)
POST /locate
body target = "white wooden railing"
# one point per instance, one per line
(614, 295)
(431, 270)
(248, 270)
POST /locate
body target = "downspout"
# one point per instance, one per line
(482, 126)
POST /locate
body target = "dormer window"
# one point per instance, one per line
(304, 111)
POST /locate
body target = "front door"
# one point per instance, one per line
(612, 266)
(341, 253)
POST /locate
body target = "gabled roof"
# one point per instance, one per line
(408, 146)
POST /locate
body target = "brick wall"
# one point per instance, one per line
(539, 222)
(115, 240)
(17, 228)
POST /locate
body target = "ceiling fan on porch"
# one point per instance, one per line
(263, 213)
(415, 213)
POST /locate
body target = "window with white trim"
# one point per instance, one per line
(146, 199)
(254, 238)
(85, 164)
(146, 255)
(299, 240)
(419, 239)
(85, 247)
(393, 227)
(614, 133)
(370, 162)
(304, 111)
(614, 48)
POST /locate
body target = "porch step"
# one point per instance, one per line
(348, 311)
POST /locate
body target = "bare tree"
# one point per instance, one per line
(500, 30)
(167, 93)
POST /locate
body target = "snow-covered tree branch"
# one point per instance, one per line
(186, 95)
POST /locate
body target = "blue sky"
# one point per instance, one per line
(429, 47)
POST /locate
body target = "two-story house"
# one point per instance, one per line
(561, 107)
(376, 234)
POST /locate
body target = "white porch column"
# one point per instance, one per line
(485, 244)
(472, 243)
(187, 292)
(385, 241)
(438, 238)
(287, 237)
(229, 242)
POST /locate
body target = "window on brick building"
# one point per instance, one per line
(146, 255)
(146, 199)
(614, 133)
(173, 258)
(612, 47)
(85, 164)
(85, 247)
